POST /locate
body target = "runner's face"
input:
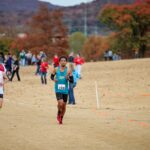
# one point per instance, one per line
(63, 62)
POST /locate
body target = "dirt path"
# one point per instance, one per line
(28, 118)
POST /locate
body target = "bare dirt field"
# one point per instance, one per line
(28, 117)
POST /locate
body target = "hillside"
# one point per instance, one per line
(74, 16)
(15, 13)
(21, 5)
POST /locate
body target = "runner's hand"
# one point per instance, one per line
(55, 80)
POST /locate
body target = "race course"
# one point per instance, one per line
(28, 117)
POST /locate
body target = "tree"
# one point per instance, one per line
(94, 48)
(131, 22)
(5, 44)
(47, 32)
(76, 41)
(121, 44)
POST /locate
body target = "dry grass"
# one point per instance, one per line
(28, 118)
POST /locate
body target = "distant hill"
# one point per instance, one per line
(75, 16)
(21, 5)
(17, 12)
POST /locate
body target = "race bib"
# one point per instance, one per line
(61, 86)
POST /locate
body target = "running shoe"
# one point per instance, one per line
(59, 119)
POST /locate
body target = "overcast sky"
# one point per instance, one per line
(66, 2)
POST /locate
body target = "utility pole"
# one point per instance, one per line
(96, 30)
(85, 20)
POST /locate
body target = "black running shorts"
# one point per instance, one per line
(1, 95)
(61, 96)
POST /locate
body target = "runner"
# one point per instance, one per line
(2, 77)
(61, 76)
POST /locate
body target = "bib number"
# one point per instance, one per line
(61, 86)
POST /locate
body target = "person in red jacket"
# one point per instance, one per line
(55, 61)
(78, 62)
(43, 70)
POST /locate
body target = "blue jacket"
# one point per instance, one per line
(75, 76)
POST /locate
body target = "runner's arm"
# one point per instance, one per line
(53, 75)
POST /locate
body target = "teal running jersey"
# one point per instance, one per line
(61, 86)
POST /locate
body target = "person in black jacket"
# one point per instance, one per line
(15, 69)
(71, 58)
(2, 58)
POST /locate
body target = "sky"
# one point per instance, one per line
(66, 2)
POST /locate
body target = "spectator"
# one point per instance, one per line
(55, 61)
(110, 54)
(43, 70)
(106, 55)
(15, 69)
(22, 56)
(71, 58)
(78, 61)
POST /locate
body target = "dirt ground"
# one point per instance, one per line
(28, 117)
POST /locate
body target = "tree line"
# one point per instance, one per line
(129, 24)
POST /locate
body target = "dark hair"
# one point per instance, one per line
(62, 57)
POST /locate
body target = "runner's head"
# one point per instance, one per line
(63, 61)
